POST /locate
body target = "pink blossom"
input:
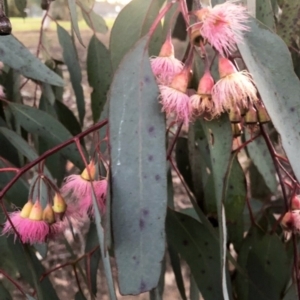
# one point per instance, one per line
(30, 231)
(166, 66)
(223, 25)
(177, 102)
(174, 98)
(16, 219)
(234, 89)
(291, 221)
(81, 190)
(33, 231)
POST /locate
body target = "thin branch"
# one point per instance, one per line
(48, 153)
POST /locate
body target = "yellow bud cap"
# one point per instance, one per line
(36, 212)
(236, 129)
(25, 212)
(48, 214)
(235, 115)
(85, 174)
(59, 204)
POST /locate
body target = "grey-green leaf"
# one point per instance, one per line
(260, 155)
(38, 122)
(71, 60)
(74, 19)
(199, 249)
(269, 62)
(17, 56)
(138, 172)
(132, 23)
(99, 71)
(218, 133)
(92, 19)
(21, 145)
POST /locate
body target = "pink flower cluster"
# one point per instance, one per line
(35, 224)
(221, 26)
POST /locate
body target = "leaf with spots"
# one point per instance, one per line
(99, 73)
(218, 133)
(264, 53)
(261, 157)
(265, 13)
(268, 266)
(15, 55)
(199, 249)
(131, 24)
(289, 25)
(138, 172)
(235, 197)
(44, 125)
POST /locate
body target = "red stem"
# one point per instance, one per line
(172, 145)
(48, 153)
(13, 282)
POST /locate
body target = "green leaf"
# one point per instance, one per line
(138, 172)
(74, 19)
(182, 161)
(104, 252)
(202, 169)
(4, 293)
(99, 73)
(260, 155)
(7, 151)
(93, 262)
(38, 122)
(131, 24)
(175, 263)
(267, 264)
(18, 193)
(22, 146)
(15, 55)
(289, 24)
(265, 53)
(71, 60)
(92, 19)
(235, 202)
(218, 133)
(31, 269)
(67, 118)
(265, 13)
(55, 163)
(194, 291)
(199, 249)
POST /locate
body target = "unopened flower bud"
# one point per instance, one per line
(48, 214)
(36, 212)
(91, 174)
(236, 129)
(25, 212)
(235, 115)
(226, 67)
(263, 115)
(167, 49)
(180, 81)
(59, 204)
(251, 116)
(295, 205)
